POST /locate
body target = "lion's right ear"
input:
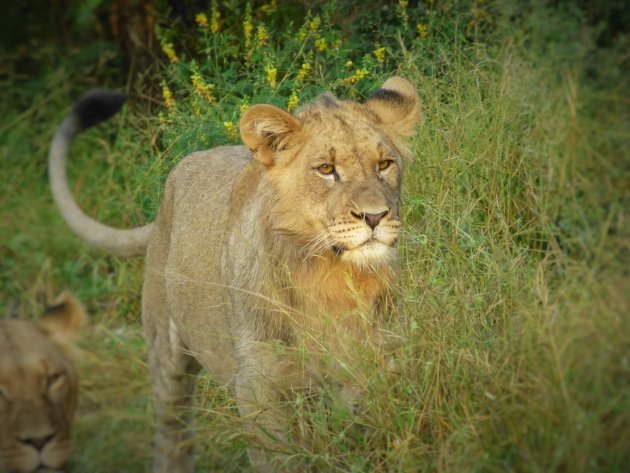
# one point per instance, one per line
(266, 129)
(63, 320)
(397, 106)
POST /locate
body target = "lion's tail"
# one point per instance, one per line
(91, 109)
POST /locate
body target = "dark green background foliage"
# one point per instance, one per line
(516, 245)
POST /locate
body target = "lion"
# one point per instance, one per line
(38, 388)
(287, 243)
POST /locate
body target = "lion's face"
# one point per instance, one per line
(343, 163)
(347, 176)
(38, 391)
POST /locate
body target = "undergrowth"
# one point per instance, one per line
(514, 287)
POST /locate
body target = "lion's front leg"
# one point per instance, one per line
(172, 372)
(264, 379)
(172, 398)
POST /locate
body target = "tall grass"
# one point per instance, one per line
(514, 288)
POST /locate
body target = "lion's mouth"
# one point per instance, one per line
(369, 254)
(340, 249)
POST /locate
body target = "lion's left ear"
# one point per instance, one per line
(397, 105)
(63, 320)
(266, 129)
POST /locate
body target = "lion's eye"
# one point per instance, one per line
(326, 169)
(382, 165)
(54, 379)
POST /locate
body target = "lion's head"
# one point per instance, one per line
(342, 161)
(38, 389)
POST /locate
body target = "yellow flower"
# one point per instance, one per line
(305, 68)
(379, 54)
(321, 44)
(215, 19)
(201, 88)
(231, 130)
(169, 50)
(202, 20)
(164, 120)
(243, 107)
(422, 30)
(402, 10)
(348, 64)
(360, 74)
(294, 100)
(313, 25)
(272, 72)
(169, 101)
(262, 35)
(270, 7)
(356, 77)
(248, 27)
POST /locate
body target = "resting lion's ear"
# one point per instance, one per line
(63, 320)
(266, 129)
(397, 106)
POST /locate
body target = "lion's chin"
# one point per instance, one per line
(370, 255)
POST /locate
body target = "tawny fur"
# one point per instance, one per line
(249, 259)
(38, 388)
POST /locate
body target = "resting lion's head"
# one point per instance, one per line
(336, 168)
(38, 389)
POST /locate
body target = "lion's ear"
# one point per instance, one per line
(266, 129)
(63, 320)
(397, 106)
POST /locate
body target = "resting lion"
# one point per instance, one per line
(288, 242)
(38, 389)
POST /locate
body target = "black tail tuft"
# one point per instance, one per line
(98, 105)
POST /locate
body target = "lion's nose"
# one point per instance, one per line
(372, 219)
(37, 442)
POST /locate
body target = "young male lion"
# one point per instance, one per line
(38, 389)
(287, 242)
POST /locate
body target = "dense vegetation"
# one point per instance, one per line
(516, 249)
